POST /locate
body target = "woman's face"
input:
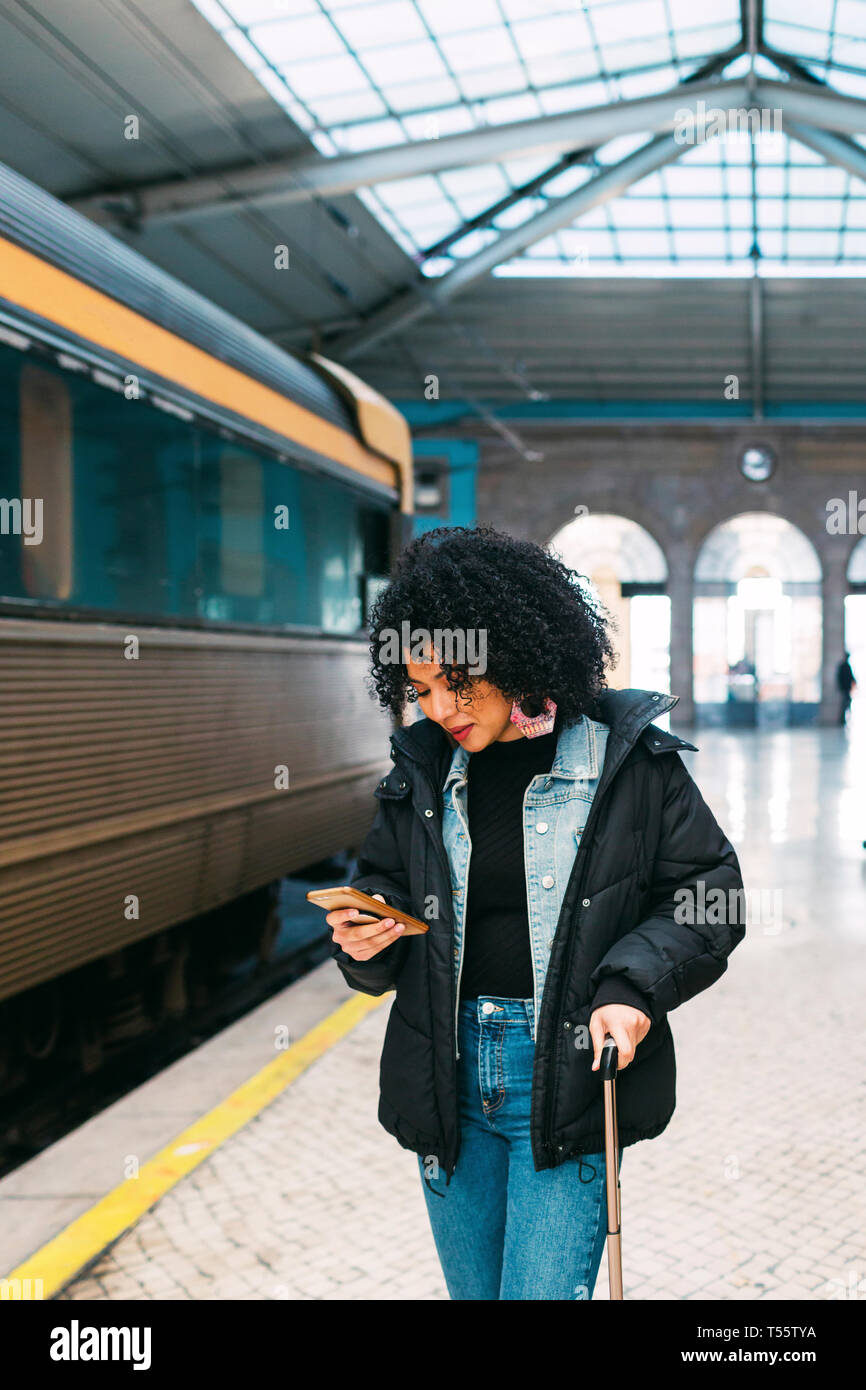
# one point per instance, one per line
(474, 725)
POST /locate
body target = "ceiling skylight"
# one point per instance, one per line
(359, 76)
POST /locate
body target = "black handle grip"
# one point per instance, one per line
(609, 1062)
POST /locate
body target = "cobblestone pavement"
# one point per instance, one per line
(755, 1190)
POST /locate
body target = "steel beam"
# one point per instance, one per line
(752, 22)
(279, 182)
(314, 176)
(427, 296)
(756, 327)
(709, 69)
(836, 149)
(815, 105)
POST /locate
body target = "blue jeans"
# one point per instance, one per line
(503, 1230)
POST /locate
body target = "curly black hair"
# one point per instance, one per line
(544, 636)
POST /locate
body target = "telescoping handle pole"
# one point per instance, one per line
(608, 1068)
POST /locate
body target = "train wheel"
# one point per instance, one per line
(271, 925)
(90, 1040)
(40, 1016)
(174, 994)
(6, 1050)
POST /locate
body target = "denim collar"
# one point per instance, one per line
(576, 754)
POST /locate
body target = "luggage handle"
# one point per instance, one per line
(609, 1059)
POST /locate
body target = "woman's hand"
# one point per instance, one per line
(629, 1027)
(366, 940)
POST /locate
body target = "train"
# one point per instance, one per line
(193, 525)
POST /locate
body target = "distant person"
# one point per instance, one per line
(845, 683)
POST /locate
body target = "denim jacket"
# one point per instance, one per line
(555, 809)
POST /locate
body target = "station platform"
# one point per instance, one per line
(254, 1168)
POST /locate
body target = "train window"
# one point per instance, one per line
(375, 530)
(45, 415)
(152, 516)
(134, 505)
(10, 472)
(229, 531)
(317, 565)
(241, 553)
(338, 556)
(289, 560)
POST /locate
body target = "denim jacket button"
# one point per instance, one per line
(547, 881)
(586, 902)
(542, 827)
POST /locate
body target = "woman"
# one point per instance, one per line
(564, 858)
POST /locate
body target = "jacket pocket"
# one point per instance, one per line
(406, 1073)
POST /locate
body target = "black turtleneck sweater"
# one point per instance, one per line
(496, 955)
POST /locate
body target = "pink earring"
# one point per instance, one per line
(540, 724)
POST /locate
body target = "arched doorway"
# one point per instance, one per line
(625, 569)
(757, 624)
(855, 625)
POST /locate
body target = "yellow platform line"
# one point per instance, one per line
(56, 1263)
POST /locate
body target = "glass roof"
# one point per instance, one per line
(357, 76)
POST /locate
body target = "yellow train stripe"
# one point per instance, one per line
(54, 295)
(56, 1263)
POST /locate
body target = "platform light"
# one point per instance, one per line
(16, 340)
(171, 409)
(108, 379)
(428, 492)
(70, 363)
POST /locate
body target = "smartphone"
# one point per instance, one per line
(332, 898)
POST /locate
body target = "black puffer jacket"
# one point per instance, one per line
(618, 940)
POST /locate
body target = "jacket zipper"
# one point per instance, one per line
(577, 869)
(465, 905)
(528, 913)
(443, 857)
(444, 861)
(577, 874)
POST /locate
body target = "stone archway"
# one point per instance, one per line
(626, 571)
(757, 624)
